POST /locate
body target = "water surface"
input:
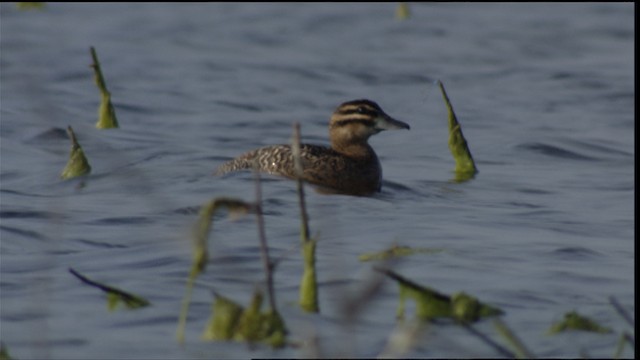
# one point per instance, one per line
(544, 93)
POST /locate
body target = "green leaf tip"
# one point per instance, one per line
(465, 166)
(115, 296)
(574, 321)
(308, 283)
(106, 112)
(78, 164)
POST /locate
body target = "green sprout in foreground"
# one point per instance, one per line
(230, 321)
(78, 164)
(200, 258)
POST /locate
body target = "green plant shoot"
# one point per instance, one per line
(106, 112)
(78, 164)
(465, 166)
(308, 283)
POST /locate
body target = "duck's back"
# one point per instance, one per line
(321, 166)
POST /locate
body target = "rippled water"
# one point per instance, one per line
(544, 93)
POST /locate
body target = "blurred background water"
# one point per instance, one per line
(544, 92)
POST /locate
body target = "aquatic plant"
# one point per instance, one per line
(230, 320)
(431, 304)
(200, 235)
(78, 164)
(115, 296)
(106, 112)
(308, 285)
(465, 166)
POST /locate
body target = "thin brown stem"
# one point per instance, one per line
(264, 249)
(297, 163)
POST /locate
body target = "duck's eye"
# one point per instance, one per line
(360, 110)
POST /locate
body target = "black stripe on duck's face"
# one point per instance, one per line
(366, 113)
(349, 121)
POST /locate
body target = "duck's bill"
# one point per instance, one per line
(389, 123)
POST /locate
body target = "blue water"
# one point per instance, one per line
(545, 95)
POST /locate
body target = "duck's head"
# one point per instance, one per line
(355, 121)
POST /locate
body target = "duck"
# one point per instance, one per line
(349, 166)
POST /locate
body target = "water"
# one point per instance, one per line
(544, 93)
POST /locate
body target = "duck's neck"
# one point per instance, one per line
(360, 150)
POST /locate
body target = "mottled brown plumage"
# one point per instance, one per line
(350, 166)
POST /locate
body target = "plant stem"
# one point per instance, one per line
(297, 163)
(264, 250)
